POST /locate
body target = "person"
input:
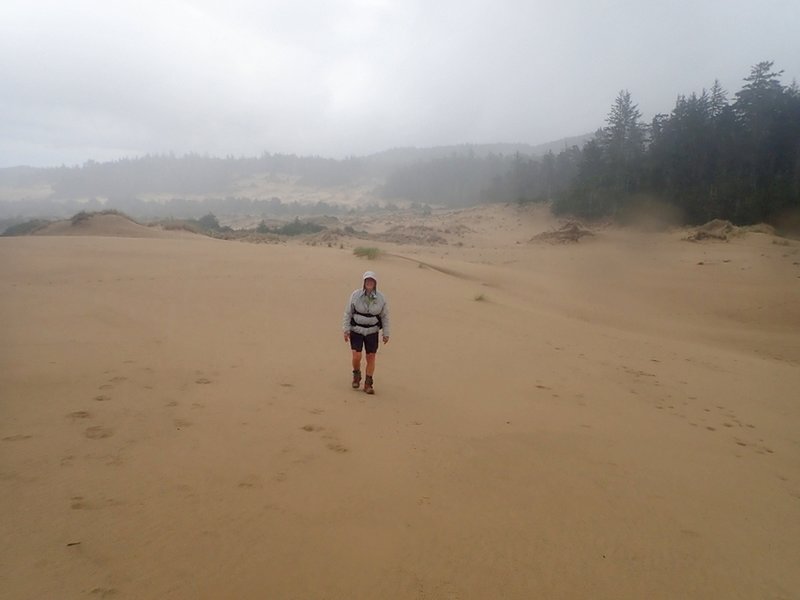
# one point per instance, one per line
(366, 313)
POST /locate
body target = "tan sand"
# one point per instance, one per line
(608, 419)
(109, 225)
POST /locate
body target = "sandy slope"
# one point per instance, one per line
(109, 225)
(611, 420)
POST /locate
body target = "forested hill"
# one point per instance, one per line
(204, 175)
(715, 155)
(390, 160)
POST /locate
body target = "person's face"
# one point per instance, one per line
(369, 284)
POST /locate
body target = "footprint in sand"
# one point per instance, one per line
(181, 423)
(17, 438)
(332, 442)
(311, 428)
(202, 381)
(78, 503)
(251, 481)
(80, 414)
(101, 592)
(102, 398)
(81, 503)
(97, 432)
(690, 533)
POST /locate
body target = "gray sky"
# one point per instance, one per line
(103, 79)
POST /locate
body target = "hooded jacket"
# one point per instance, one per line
(366, 313)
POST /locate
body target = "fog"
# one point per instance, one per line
(102, 80)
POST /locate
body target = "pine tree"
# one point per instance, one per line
(623, 145)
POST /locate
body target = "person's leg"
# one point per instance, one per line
(371, 348)
(357, 360)
(368, 383)
(371, 364)
(356, 345)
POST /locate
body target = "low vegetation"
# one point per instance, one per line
(84, 216)
(26, 228)
(296, 227)
(370, 253)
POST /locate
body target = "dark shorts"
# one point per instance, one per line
(369, 342)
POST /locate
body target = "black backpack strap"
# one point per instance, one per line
(356, 312)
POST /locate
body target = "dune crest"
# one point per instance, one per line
(107, 225)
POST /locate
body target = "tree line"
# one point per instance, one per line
(712, 157)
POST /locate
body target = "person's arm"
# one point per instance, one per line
(348, 315)
(385, 321)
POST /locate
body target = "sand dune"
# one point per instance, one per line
(616, 418)
(109, 225)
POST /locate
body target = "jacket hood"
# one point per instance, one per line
(370, 275)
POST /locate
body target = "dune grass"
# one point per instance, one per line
(83, 216)
(371, 253)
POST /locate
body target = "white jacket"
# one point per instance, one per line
(366, 313)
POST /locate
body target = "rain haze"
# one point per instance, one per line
(100, 80)
(400, 299)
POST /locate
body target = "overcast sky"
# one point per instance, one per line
(106, 79)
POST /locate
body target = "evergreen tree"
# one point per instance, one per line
(708, 157)
(768, 144)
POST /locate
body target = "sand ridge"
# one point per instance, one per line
(109, 225)
(608, 419)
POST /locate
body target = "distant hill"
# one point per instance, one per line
(168, 185)
(397, 157)
(106, 224)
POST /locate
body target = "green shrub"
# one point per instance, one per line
(209, 222)
(298, 227)
(369, 253)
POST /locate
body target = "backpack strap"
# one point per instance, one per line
(353, 323)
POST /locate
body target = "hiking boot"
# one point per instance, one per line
(356, 379)
(368, 385)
